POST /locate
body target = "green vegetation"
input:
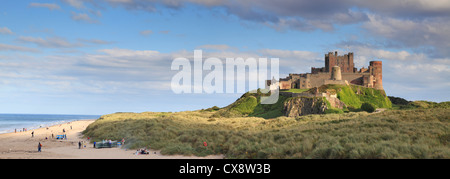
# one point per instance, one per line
(249, 105)
(268, 111)
(416, 133)
(214, 108)
(398, 100)
(296, 90)
(368, 107)
(243, 106)
(334, 111)
(399, 103)
(429, 104)
(246, 105)
(248, 129)
(331, 110)
(354, 96)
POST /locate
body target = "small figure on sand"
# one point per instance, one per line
(39, 147)
(32, 134)
(142, 151)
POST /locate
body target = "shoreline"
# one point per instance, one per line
(16, 122)
(36, 127)
(22, 145)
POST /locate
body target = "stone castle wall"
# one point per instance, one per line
(368, 77)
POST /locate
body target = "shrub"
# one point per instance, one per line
(334, 111)
(398, 100)
(368, 107)
(214, 108)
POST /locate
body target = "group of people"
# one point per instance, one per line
(142, 151)
(23, 130)
(64, 136)
(81, 144)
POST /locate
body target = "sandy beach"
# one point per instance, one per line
(22, 145)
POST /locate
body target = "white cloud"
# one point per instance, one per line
(431, 32)
(129, 53)
(45, 5)
(96, 41)
(127, 71)
(7, 47)
(146, 32)
(5, 30)
(294, 61)
(75, 3)
(215, 47)
(83, 17)
(51, 42)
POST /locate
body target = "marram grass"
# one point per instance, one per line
(416, 133)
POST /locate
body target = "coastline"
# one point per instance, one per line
(11, 122)
(22, 145)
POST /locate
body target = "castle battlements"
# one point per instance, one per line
(337, 70)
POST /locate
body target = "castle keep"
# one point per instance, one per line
(337, 70)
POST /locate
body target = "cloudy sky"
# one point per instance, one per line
(105, 56)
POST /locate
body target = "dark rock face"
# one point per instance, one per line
(298, 106)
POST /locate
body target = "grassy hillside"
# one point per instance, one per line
(248, 129)
(413, 133)
(353, 96)
(249, 105)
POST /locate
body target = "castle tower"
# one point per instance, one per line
(377, 71)
(330, 61)
(345, 62)
(336, 73)
(351, 64)
(370, 82)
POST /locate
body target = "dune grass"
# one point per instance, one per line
(414, 133)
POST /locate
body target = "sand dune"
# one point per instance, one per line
(22, 145)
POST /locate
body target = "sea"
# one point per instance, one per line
(10, 122)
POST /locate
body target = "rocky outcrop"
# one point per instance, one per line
(298, 106)
(335, 102)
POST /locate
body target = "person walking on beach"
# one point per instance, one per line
(39, 147)
(32, 134)
(79, 144)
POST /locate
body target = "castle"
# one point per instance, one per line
(337, 70)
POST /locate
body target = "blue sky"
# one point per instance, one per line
(106, 56)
